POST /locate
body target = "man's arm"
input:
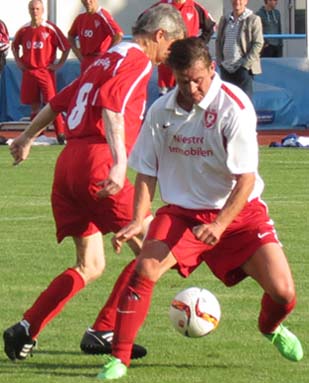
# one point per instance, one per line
(16, 54)
(220, 40)
(62, 60)
(117, 38)
(74, 47)
(21, 145)
(206, 23)
(145, 187)
(257, 43)
(211, 233)
(115, 135)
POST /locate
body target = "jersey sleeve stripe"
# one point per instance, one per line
(59, 37)
(101, 14)
(229, 92)
(135, 84)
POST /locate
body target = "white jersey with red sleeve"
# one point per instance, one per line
(117, 81)
(94, 31)
(40, 44)
(195, 155)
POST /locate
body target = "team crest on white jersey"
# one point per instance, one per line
(189, 16)
(97, 24)
(210, 118)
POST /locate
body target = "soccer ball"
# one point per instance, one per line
(195, 312)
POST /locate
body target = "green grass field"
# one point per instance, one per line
(234, 353)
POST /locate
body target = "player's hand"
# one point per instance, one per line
(208, 233)
(53, 67)
(114, 183)
(20, 148)
(125, 234)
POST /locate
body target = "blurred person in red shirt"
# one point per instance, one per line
(199, 23)
(40, 39)
(4, 44)
(92, 33)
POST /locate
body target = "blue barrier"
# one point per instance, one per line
(280, 97)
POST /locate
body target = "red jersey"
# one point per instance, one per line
(117, 81)
(196, 18)
(94, 31)
(4, 37)
(40, 44)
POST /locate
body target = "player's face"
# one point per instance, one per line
(36, 10)
(163, 48)
(239, 6)
(91, 6)
(194, 82)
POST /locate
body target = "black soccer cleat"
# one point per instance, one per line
(17, 343)
(100, 342)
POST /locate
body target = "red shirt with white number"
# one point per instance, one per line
(117, 81)
(94, 31)
(40, 44)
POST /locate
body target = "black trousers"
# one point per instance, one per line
(272, 51)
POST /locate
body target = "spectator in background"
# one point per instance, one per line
(271, 21)
(92, 33)
(238, 46)
(4, 45)
(199, 23)
(39, 41)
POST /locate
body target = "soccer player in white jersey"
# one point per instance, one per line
(199, 143)
(91, 194)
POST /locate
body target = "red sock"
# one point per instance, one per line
(132, 310)
(273, 313)
(52, 300)
(107, 316)
(59, 125)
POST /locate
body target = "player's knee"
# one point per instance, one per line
(92, 271)
(149, 268)
(284, 292)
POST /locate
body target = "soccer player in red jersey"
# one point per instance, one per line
(40, 39)
(4, 44)
(205, 130)
(199, 23)
(92, 33)
(91, 195)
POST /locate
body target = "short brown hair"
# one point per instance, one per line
(184, 53)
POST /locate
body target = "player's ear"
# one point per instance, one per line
(158, 35)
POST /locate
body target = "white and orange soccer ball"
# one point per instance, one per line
(195, 312)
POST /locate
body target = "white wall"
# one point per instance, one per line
(15, 14)
(124, 11)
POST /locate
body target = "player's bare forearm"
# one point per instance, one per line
(74, 48)
(115, 135)
(211, 233)
(21, 145)
(237, 199)
(40, 121)
(145, 187)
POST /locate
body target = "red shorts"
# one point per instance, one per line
(251, 229)
(76, 209)
(38, 85)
